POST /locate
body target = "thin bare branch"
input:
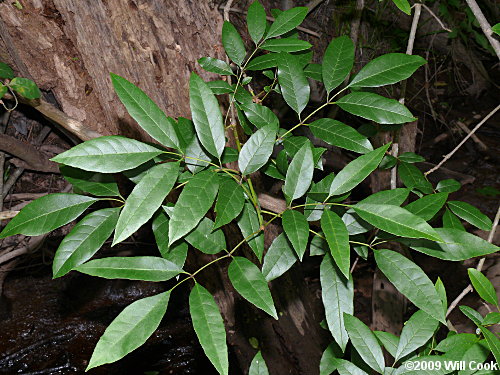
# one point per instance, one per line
(446, 157)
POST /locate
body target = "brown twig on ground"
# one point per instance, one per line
(436, 18)
(474, 137)
(485, 26)
(52, 113)
(33, 159)
(447, 156)
(479, 267)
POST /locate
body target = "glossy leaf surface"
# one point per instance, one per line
(251, 284)
(337, 62)
(47, 213)
(108, 154)
(296, 228)
(279, 258)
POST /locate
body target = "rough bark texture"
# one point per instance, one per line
(71, 46)
(68, 47)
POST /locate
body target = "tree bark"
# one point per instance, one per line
(69, 47)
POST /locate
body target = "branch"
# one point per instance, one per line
(33, 159)
(52, 113)
(446, 157)
(485, 26)
(479, 267)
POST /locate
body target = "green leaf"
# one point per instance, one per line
(207, 117)
(279, 258)
(233, 44)
(442, 293)
(6, 71)
(388, 341)
(354, 224)
(483, 286)
(258, 365)
(296, 228)
(285, 45)
(427, 206)
(203, 239)
(416, 332)
(84, 240)
(300, 172)
(287, 21)
(376, 108)
(144, 268)
(356, 171)
(257, 150)
(314, 71)
(47, 213)
(328, 362)
(160, 231)
(229, 155)
(145, 111)
(403, 5)
(248, 222)
(346, 368)
(457, 343)
(472, 314)
(25, 87)
(256, 21)
(251, 284)
(448, 186)
(394, 197)
(338, 240)
(102, 185)
(146, 197)
(259, 115)
(337, 294)
(491, 318)
(319, 191)
(457, 245)
(216, 66)
(470, 214)
(365, 342)
(195, 157)
(3, 90)
(230, 201)
(411, 281)
(413, 178)
(267, 61)
(493, 342)
(337, 62)
(130, 329)
(411, 157)
(387, 69)
(293, 82)
(108, 154)
(450, 220)
(194, 202)
(184, 129)
(339, 134)
(396, 220)
(496, 28)
(220, 87)
(209, 327)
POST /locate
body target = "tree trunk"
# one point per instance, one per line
(69, 47)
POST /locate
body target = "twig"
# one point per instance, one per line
(485, 26)
(52, 113)
(7, 214)
(436, 18)
(300, 28)
(474, 137)
(479, 267)
(409, 51)
(446, 157)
